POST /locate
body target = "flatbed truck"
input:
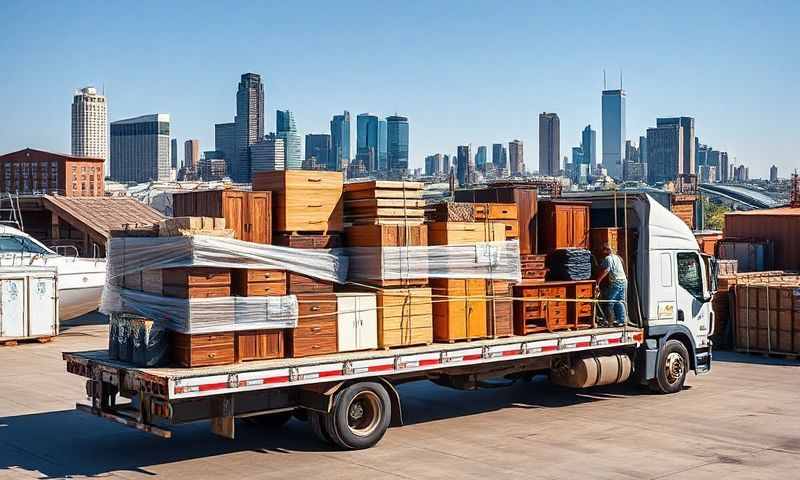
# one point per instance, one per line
(350, 399)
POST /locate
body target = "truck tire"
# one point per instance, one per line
(271, 420)
(360, 416)
(319, 427)
(673, 364)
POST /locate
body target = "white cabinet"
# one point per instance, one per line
(357, 321)
(28, 302)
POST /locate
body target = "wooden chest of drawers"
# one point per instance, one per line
(203, 350)
(499, 308)
(460, 317)
(196, 282)
(303, 201)
(299, 283)
(259, 345)
(258, 283)
(405, 317)
(462, 233)
(315, 333)
(549, 314)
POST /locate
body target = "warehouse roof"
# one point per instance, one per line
(770, 211)
(102, 214)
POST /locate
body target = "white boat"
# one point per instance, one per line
(80, 280)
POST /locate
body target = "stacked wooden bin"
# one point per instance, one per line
(768, 314)
(383, 218)
(467, 309)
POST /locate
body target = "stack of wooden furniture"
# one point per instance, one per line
(525, 199)
(534, 268)
(378, 202)
(461, 306)
(246, 213)
(553, 312)
(768, 315)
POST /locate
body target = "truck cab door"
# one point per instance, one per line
(693, 296)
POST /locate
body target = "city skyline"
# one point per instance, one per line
(438, 106)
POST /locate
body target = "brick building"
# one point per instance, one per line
(35, 171)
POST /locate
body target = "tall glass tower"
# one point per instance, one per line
(382, 145)
(589, 148)
(397, 142)
(249, 123)
(367, 141)
(613, 131)
(286, 129)
(340, 141)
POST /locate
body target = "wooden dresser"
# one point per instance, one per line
(315, 333)
(303, 200)
(196, 282)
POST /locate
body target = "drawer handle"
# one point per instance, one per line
(315, 346)
(212, 355)
(316, 329)
(315, 180)
(315, 308)
(314, 205)
(314, 222)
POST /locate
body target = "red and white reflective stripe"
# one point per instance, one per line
(191, 387)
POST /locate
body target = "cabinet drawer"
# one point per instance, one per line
(511, 227)
(178, 291)
(259, 275)
(584, 309)
(502, 211)
(200, 350)
(405, 336)
(584, 290)
(311, 306)
(307, 345)
(196, 277)
(260, 289)
(299, 283)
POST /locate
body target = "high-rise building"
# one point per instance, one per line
(516, 157)
(664, 153)
(689, 166)
(397, 147)
(249, 124)
(286, 129)
(578, 163)
(173, 153)
(89, 124)
(383, 146)
(480, 159)
(643, 149)
(340, 141)
(268, 154)
(613, 131)
(191, 154)
(589, 147)
(367, 141)
(318, 146)
(140, 148)
(773, 173)
(498, 159)
(465, 165)
(436, 164)
(549, 144)
(225, 142)
(724, 167)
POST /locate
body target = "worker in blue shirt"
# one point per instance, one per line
(612, 267)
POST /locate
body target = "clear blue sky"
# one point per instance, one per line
(463, 72)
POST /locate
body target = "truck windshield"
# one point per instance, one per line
(689, 274)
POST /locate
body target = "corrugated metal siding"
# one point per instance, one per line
(783, 230)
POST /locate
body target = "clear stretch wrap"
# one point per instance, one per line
(204, 315)
(130, 255)
(489, 260)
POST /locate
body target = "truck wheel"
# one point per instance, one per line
(319, 426)
(672, 367)
(271, 420)
(360, 416)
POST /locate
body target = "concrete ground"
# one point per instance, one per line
(741, 421)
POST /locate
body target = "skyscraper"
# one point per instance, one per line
(773, 174)
(498, 159)
(267, 155)
(643, 149)
(397, 149)
(318, 145)
(579, 164)
(589, 147)
(464, 165)
(689, 166)
(516, 157)
(480, 159)
(89, 124)
(367, 141)
(664, 153)
(140, 148)
(436, 164)
(249, 123)
(549, 144)
(173, 153)
(340, 141)
(191, 154)
(286, 129)
(724, 167)
(225, 142)
(613, 131)
(383, 145)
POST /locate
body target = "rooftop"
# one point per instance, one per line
(780, 211)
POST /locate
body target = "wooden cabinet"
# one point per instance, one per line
(248, 214)
(499, 308)
(315, 333)
(258, 283)
(203, 350)
(357, 321)
(582, 313)
(462, 233)
(405, 317)
(532, 315)
(563, 224)
(259, 345)
(460, 317)
(303, 201)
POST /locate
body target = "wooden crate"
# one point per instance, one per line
(456, 316)
(259, 345)
(405, 317)
(563, 224)
(258, 283)
(333, 240)
(303, 200)
(299, 283)
(461, 233)
(317, 325)
(203, 350)
(248, 214)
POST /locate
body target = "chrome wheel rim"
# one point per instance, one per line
(674, 367)
(364, 413)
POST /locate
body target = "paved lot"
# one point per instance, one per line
(742, 421)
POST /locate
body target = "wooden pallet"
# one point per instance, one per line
(12, 342)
